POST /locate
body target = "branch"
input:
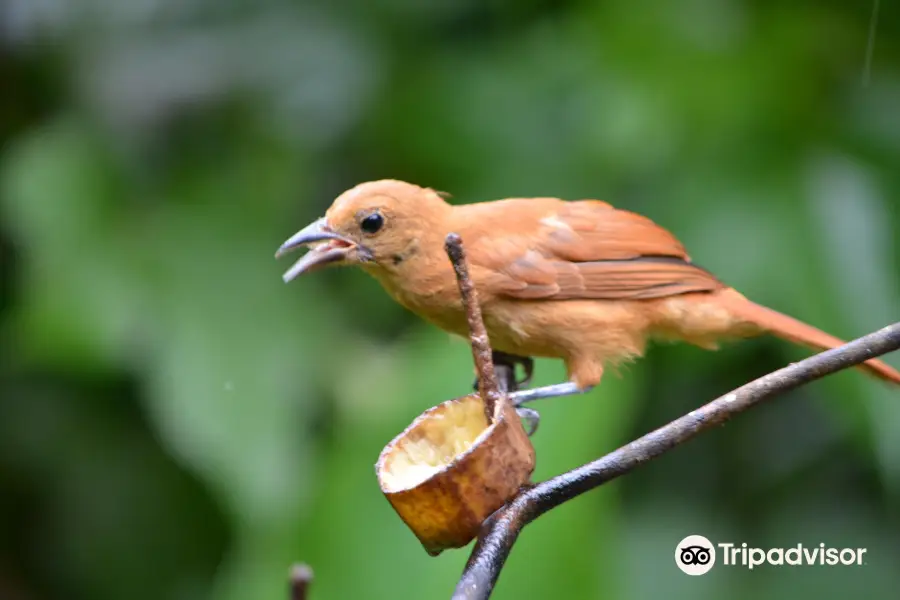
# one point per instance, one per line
(300, 578)
(499, 533)
(481, 347)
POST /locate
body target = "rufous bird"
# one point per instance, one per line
(577, 280)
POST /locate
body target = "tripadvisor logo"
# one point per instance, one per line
(696, 555)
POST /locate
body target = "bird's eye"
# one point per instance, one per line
(372, 223)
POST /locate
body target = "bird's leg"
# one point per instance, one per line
(507, 374)
(584, 372)
(570, 388)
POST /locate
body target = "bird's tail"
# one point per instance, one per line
(791, 329)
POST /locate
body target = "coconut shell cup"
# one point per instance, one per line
(451, 469)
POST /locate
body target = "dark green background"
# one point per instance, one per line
(176, 423)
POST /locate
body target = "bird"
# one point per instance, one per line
(576, 280)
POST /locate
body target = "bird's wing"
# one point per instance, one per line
(584, 250)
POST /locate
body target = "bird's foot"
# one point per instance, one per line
(505, 367)
(557, 390)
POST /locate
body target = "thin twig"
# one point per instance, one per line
(481, 347)
(870, 44)
(499, 533)
(300, 578)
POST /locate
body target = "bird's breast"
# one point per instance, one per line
(434, 299)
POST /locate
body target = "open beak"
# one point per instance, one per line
(334, 248)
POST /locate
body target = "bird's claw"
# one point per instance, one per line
(506, 372)
(530, 419)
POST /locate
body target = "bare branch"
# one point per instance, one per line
(500, 532)
(481, 347)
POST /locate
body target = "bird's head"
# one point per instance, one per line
(379, 225)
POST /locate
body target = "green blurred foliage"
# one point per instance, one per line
(176, 423)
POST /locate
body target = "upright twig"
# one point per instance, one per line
(500, 532)
(481, 347)
(300, 578)
(870, 44)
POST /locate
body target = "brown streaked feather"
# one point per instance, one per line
(587, 250)
(635, 279)
(601, 232)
